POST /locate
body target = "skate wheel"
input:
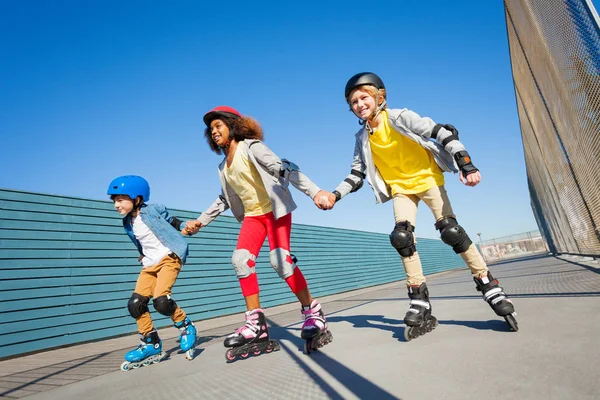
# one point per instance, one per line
(136, 365)
(245, 355)
(229, 356)
(431, 324)
(190, 354)
(307, 347)
(145, 363)
(273, 346)
(407, 335)
(125, 366)
(512, 322)
(257, 352)
(413, 332)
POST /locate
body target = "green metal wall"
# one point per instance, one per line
(67, 269)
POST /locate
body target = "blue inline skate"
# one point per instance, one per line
(187, 337)
(148, 352)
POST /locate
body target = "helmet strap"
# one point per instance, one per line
(228, 140)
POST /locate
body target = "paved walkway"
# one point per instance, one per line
(472, 354)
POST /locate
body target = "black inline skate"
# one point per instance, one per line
(497, 299)
(418, 318)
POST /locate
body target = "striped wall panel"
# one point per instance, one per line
(67, 269)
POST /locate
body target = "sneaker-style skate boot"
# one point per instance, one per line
(418, 318)
(497, 299)
(187, 337)
(148, 352)
(314, 328)
(251, 338)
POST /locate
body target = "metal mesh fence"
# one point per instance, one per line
(513, 246)
(555, 56)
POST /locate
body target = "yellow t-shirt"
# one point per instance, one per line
(405, 165)
(243, 177)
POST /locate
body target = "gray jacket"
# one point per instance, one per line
(275, 173)
(411, 125)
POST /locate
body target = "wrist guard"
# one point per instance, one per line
(464, 163)
(337, 194)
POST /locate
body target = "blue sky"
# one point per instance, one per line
(96, 89)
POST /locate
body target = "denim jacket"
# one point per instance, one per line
(411, 125)
(165, 226)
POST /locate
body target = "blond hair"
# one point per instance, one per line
(372, 91)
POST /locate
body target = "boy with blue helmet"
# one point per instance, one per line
(163, 251)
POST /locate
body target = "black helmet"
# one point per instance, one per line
(363, 78)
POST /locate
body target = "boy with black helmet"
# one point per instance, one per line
(254, 185)
(163, 251)
(403, 156)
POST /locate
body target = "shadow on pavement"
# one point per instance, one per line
(498, 325)
(395, 326)
(357, 384)
(82, 362)
(96, 365)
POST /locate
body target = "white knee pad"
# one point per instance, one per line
(240, 261)
(282, 262)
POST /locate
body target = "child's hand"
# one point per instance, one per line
(191, 227)
(324, 200)
(140, 258)
(471, 179)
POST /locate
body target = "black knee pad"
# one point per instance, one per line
(137, 305)
(453, 234)
(402, 238)
(165, 305)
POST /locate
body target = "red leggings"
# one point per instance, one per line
(253, 232)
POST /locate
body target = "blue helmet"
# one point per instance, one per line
(130, 185)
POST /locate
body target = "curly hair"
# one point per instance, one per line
(239, 128)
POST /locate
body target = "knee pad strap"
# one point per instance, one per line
(402, 238)
(453, 234)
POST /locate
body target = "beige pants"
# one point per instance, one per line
(156, 281)
(436, 198)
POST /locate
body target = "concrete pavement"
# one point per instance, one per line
(471, 354)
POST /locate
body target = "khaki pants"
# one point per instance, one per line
(156, 281)
(436, 198)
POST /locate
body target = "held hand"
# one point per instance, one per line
(191, 227)
(140, 258)
(324, 200)
(471, 179)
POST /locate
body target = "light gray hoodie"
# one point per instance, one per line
(411, 125)
(275, 173)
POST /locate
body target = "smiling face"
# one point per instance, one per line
(362, 103)
(219, 132)
(123, 204)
